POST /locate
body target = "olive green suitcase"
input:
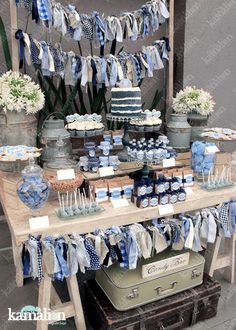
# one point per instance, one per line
(165, 274)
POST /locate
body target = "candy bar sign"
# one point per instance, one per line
(164, 266)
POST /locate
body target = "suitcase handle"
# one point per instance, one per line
(174, 325)
(160, 291)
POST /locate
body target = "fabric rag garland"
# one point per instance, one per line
(97, 28)
(108, 69)
(65, 255)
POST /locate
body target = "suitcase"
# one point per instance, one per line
(127, 289)
(172, 313)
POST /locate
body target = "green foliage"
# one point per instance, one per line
(5, 45)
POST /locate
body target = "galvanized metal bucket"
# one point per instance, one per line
(179, 132)
(198, 123)
(17, 128)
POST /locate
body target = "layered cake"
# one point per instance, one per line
(126, 102)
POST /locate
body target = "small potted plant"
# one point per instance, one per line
(20, 99)
(197, 104)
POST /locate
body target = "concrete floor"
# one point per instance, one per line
(16, 298)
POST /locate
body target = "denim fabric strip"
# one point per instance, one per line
(113, 72)
(93, 65)
(43, 10)
(35, 13)
(20, 36)
(59, 250)
(233, 216)
(26, 261)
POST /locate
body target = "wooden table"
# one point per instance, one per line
(17, 216)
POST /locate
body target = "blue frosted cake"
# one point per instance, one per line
(126, 102)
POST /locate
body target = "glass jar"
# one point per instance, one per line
(33, 190)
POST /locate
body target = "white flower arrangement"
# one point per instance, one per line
(19, 93)
(192, 99)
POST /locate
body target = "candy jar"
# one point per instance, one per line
(33, 190)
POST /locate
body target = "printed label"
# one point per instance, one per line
(101, 194)
(189, 179)
(128, 191)
(173, 199)
(164, 200)
(167, 185)
(106, 171)
(182, 197)
(160, 188)
(115, 194)
(142, 191)
(149, 189)
(122, 202)
(39, 222)
(144, 203)
(68, 174)
(175, 186)
(165, 209)
(154, 201)
(166, 265)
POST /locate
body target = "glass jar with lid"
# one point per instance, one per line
(33, 190)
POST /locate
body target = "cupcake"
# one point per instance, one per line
(148, 127)
(157, 124)
(99, 127)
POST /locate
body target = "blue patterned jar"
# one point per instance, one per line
(33, 190)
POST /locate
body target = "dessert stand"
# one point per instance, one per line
(123, 155)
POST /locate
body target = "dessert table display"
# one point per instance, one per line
(120, 218)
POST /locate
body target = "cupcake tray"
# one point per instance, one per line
(79, 216)
(83, 134)
(143, 129)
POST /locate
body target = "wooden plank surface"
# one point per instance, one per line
(13, 29)
(18, 218)
(171, 54)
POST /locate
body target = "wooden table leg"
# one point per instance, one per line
(211, 255)
(44, 299)
(17, 250)
(48, 298)
(226, 261)
(230, 250)
(74, 293)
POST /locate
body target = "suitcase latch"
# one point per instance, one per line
(133, 294)
(196, 273)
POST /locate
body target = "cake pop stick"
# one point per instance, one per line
(204, 183)
(80, 201)
(59, 198)
(208, 180)
(85, 196)
(70, 210)
(230, 174)
(76, 207)
(216, 177)
(94, 202)
(75, 197)
(67, 199)
(63, 203)
(83, 204)
(63, 213)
